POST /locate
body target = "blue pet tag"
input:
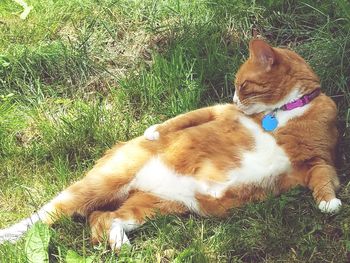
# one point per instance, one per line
(269, 122)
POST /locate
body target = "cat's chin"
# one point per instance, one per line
(250, 109)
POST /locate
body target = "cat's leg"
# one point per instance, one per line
(134, 211)
(323, 181)
(79, 198)
(106, 182)
(183, 121)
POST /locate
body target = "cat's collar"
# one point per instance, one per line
(269, 122)
(307, 98)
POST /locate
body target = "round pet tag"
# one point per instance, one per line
(269, 122)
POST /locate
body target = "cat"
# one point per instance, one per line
(280, 132)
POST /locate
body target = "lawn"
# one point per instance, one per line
(77, 76)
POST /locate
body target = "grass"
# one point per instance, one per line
(77, 76)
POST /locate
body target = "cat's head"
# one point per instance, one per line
(271, 77)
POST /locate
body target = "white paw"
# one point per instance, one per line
(331, 206)
(13, 233)
(117, 236)
(151, 133)
(9, 237)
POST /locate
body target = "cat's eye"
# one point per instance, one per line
(241, 86)
(250, 88)
(244, 84)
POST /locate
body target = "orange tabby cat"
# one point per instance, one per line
(281, 133)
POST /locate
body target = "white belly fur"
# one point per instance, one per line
(262, 164)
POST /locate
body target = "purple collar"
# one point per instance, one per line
(301, 101)
(269, 122)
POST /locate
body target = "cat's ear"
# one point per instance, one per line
(261, 53)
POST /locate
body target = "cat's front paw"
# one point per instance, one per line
(151, 133)
(331, 206)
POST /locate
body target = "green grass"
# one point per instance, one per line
(77, 76)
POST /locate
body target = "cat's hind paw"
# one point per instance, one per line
(117, 236)
(331, 206)
(151, 133)
(11, 235)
